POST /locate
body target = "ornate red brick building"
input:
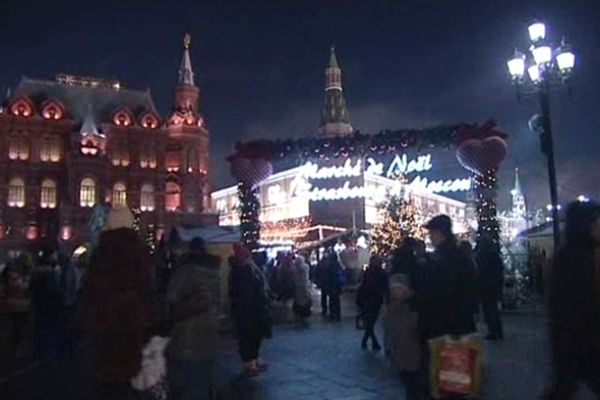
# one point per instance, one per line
(69, 144)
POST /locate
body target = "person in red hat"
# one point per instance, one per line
(249, 308)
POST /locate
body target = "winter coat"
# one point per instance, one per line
(195, 335)
(374, 290)
(115, 308)
(401, 326)
(574, 305)
(446, 293)
(249, 302)
(491, 274)
(301, 282)
(333, 278)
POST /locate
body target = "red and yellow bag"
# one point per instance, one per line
(456, 366)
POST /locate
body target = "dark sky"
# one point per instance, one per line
(260, 67)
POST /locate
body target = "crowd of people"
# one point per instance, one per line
(111, 310)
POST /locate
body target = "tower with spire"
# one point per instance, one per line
(187, 148)
(519, 208)
(334, 117)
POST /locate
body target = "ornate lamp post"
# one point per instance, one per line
(535, 75)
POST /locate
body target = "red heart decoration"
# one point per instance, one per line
(479, 156)
(250, 171)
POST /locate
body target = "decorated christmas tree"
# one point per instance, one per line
(399, 219)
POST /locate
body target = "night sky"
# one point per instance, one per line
(260, 67)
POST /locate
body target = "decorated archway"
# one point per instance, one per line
(479, 148)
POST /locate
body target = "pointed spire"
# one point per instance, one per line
(334, 117)
(517, 188)
(186, 74)
(333, 63)
(89, 124)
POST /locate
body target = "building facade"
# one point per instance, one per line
(75, 142)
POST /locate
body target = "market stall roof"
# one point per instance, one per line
(210, 234)
(541, 230)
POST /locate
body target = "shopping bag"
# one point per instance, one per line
(455, 366)
(151, 381)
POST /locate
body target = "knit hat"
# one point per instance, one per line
(119, 218)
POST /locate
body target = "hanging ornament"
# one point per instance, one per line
(479, 156)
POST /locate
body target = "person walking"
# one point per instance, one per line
(491, 282)
(320, 281)
(248, 294)
(302, 302)
(193, 297)
(401, 329)
(15, 303)
(46, 303)
(574, 304)
(372, 293)
(115, 311)
(333, 283)
(445, 290)
(70, 280)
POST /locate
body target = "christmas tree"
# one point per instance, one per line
(399, 219)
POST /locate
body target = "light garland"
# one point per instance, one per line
(485, 199)
(288, 229)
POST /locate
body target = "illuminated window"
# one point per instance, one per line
(120, 156)
(87, 193)
(16, 193)
(50, 149)
(192, 160)
(21, 108)
(48, 194)
(18, 148)
(119, 195)
(52, 110)
(147, 198)
(172, 196)
(149, 121)
(148, 157)
(122, 118)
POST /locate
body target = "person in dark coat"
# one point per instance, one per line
(491, 282)
(372, 293)
(248, 293)
(575, 304)
(115, 309)
(445, 291)
(332, 284)
(446, 288)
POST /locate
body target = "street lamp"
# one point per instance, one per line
(536, 74)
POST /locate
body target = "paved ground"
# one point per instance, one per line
(324, 362)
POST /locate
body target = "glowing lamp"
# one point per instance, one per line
(31, 232)
(534, 73)
(66, 233)
(565, 59)
(516, 65)
(542, 54)
(537, 31)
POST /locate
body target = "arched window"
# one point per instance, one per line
(147, 198)
(192, 160)
(120, 155)
(119, 195)
(172, 196)
(122, 117)
(50, 149)
(87, 193)
(16, 193)
(48, 194)
(18, 148)
(148, 156)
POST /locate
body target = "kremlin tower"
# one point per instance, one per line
(334, 117)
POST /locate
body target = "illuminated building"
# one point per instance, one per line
(69, 144)
(319, 198)
(514, 221)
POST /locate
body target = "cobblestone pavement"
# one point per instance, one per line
(325, 362)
